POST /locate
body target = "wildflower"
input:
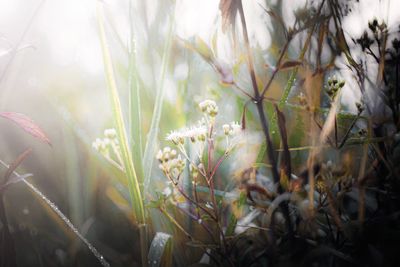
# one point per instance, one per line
(235, 128)
(178, 163)
(226, 129)
(209, 107)
(201, 167)
(232, 129)
(365, 41)
(334, 85)
(159, 156)
(106, 142)
(110, 133)
(360, 107)
(96, 144)
(362, 132)
(100, 145)
(167, 192)
(193, 170)
(176, 137)
(170, 162)
(196, 133)
(372, 25)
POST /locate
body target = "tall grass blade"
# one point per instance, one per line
(135, 121)
(134, 188)
(155, 121)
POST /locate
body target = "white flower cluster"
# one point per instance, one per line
(195, 134)
(102, 145)
(170, 162)
(195, 170)
(209, 107)
(232, 129)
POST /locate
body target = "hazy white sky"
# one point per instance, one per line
(70, 29)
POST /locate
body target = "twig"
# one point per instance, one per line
(258, 99)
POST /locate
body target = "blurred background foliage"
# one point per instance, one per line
(51, 69)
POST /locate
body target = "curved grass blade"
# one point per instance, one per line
(160, 253)
(61, 215)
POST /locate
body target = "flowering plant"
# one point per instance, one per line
(201, 140)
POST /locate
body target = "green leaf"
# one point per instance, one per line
(298, 133)
(202, 48)
(160, 253)
(232, 218)
(261, 153)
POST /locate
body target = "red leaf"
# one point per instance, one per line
(27, 125)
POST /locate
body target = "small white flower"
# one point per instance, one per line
(209, 107)
(176, 137)
(101, 145)
(110, 133)
(196, 133)
(170, 162)
(193, 170)
(226, 129)
(206, 104)
(173, 153)
(159, 155)
(201, 167)
(232, 129)
(97, 144)
(106, 141)
(235, 128)
(167, 192)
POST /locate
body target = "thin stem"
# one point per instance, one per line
(220, 160)
(258, 101)
(349, 130)
(235, 85)
(163, 211)
(175, 184)
(336, 132)
(199, 221)
(278, 63)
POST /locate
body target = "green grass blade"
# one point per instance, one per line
(134, 188)
(160, 253)
(135, 121)
(149, 152)
(230, 230)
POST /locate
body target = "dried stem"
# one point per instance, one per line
(258, 98)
